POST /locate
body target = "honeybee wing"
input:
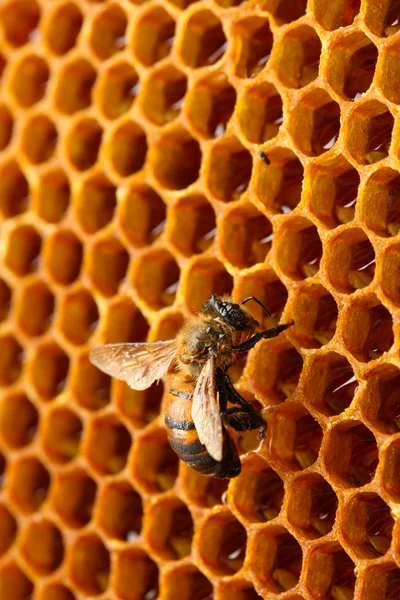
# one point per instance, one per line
(205, 410)
(139, 365)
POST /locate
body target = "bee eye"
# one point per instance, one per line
(200, 346)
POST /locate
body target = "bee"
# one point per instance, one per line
(197, 415)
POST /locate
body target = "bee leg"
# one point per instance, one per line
(225, 384)
(262, 335)
(240, 420)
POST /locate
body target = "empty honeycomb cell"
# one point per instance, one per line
(351, 456)
(333, 190)
(73, 87)
(63, 256)
(142, 214)
(222, 543)
(390, 273)
(107, 444)
(42, 546)
(191, 224)
(382, 19)
(245, 236)
(49, 370)
(163, 93)
(275, 372)
(156, 278)
(52, 196)
(331, 573)
(312, 506)
(369, 333)
(39, 139)
(79, 316)
(380, 403)
(167, 327)
(380, 203)
(253, 46)
(14, 584)
(229, 169)
(135, 575)
(259, 112)
(19, 21)
(299, 250)
(315, 123)
(277, 559)
(95, 202)
(337, 15)
(5, 300)
(107, 265)
(14, 189)
(116, 89)
(315, 314)
(63, 28)
(237, 591)
(73, 496)
(8, 529)
(175, 148)
(35, 308)
(381, 582)
(89, 564)
(6, 126)
(186, 583)
(125, 323)
(153, 36)
(29, 80)
(140, 407)
(61, 432)
(127, 148)
(154, 464)
(389, 474)
(298, 56)
(56, 591)
(203, 42)
(206, 276)
(119, 511)
(368, 132)
(210, 104)
(330, 385)
(89, 385)
(28, 483)
(278, 185)
(258, 491)
(18, 420)
(11, 360)
(3, 466)
(351, 264)
(108, 30)
(22, 250)
(169, 529)
(83, 143)
(265, 285)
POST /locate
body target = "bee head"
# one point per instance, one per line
(233, 314)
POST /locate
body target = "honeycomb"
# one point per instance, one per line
(131, 188)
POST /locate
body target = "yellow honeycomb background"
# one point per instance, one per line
(131, 188)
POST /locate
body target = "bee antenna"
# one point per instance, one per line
(258, 302)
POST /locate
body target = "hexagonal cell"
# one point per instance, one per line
(264, 285)
(238, 591)
(42, 547)
(229, 172)
(381, 582)
(22, 250)
(299, 249)
(6, 126)
(142, 214)
(14, 584)
(368, 132)
(383, 20)
(380, 202)
(279, 184)
(35, 308)
(252, 46)
(11, 360)
(156, 278)
(154, 463)
(202, 490)
(83, 143)
(169, 529)
(277, 559)
(49, 370)
(56, 591)
(315, 123)
(298, 56)
(3, 467)
(258, 491)
(380, 403)
(390, 465)
(390, 271)
(5, 300)
(245, 236)
(107, 445)
(116, 89)
(259, 112)
(73, 497)
(286, 11)
(135, 575)
(222, 543)
(52, 195)
(203, 42)
(124, 323)
(333, 190)
(351, 454)
(39, 139)
(119, 511)
(333, 16)
(166, 326)
(14, 190)
(127, 148)
(154, 36)
(163, 94)
(95, 203)
(205, 276)
(28, 483)
(108, 29)
(63, 28)
(19, 21)
(79, 316)
(89, 564)
(73, 87)
(140, 407)
(275, 372)
(61, 433)
(29, 80)
(351, 263)
(173, 149)
(312, 506)
(90, 386)
(191, 224)
(18, 420)
(8, 529)
(315, 314)
(331, 573)
(107, 265)
(63, 256)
